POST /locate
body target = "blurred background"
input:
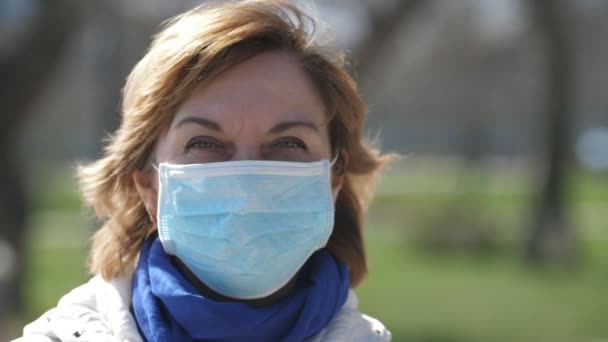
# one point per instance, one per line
(493, 227)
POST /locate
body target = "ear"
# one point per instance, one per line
(338, 172)
(147, 188)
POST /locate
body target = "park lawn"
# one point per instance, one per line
(418, 294)
(423, 297)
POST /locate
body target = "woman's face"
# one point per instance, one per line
(265, 108)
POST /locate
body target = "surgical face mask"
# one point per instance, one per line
(244, 228)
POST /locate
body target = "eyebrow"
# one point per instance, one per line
(283, 126)
(212, 125)
(278, 128)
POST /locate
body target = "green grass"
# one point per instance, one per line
(52, 272)
(423, 297)
(419, 294)
(55, 259)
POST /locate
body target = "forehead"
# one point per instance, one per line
(268, 87)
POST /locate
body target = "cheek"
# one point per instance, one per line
(327, 143)
(165, 147)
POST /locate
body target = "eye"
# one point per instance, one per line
(290, 142)
(202, 143)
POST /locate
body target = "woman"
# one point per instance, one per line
(232, 194)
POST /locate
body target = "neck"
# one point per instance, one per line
(205, 291)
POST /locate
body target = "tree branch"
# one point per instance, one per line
(382, 27)
(24, 73)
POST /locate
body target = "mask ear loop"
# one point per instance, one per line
(333, 161)
(154, 166)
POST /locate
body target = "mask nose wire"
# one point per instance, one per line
(331, 163)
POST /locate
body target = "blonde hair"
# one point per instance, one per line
(193, 48)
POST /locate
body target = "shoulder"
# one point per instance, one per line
(352, 325)
(97, 310)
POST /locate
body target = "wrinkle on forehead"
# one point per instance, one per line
(268, 88)
(249, 99)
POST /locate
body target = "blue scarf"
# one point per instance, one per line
(168, 308)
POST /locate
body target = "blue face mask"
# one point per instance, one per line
(245, 228)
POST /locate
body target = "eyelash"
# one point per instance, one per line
(192, 143)
(290, 140)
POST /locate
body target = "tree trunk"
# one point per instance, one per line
(382, 27)
(551, 238)
(24, 74)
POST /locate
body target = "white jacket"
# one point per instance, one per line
(99, 311)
